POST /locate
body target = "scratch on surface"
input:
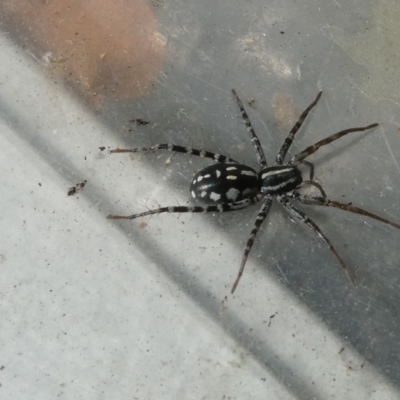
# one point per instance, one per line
(207, 83)
(282, 273)
(56, 162)
(390, 151)
(298, 73)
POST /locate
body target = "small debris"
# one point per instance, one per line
(74, 189)
(270, 318)
(139, 121)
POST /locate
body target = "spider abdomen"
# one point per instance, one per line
(279, 179)
(224, 183)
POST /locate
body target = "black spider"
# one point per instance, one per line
(230, 186)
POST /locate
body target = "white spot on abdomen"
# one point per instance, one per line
(232, 194)
(249, 173)
(215, 196)
(231, 177)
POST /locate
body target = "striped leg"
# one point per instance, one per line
(289, 140)
(196, 209)
(320, 201)
(178, 149)
(313, 148)
(260, 219)
(303, 217)
(262, 161)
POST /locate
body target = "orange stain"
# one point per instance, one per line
(102, 48)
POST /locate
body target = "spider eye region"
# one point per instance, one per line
(279, 179)
(223, 183)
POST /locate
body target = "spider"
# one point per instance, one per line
(228, 185)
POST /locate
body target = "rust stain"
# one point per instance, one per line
(103, 49)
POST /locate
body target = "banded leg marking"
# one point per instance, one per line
(179, 149)
(260, 219)
(289, 140)
(313, 148)
(261, 159)
(320, 201)
(301, 216)
(196, 209)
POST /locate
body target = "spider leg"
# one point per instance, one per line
(301, 216)
(313, 148)
(320, 201)
(261, 159)
(289, 140)
(259, 220)
(311, 166)
(311, 183)
(239, 205)
(179, 149)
